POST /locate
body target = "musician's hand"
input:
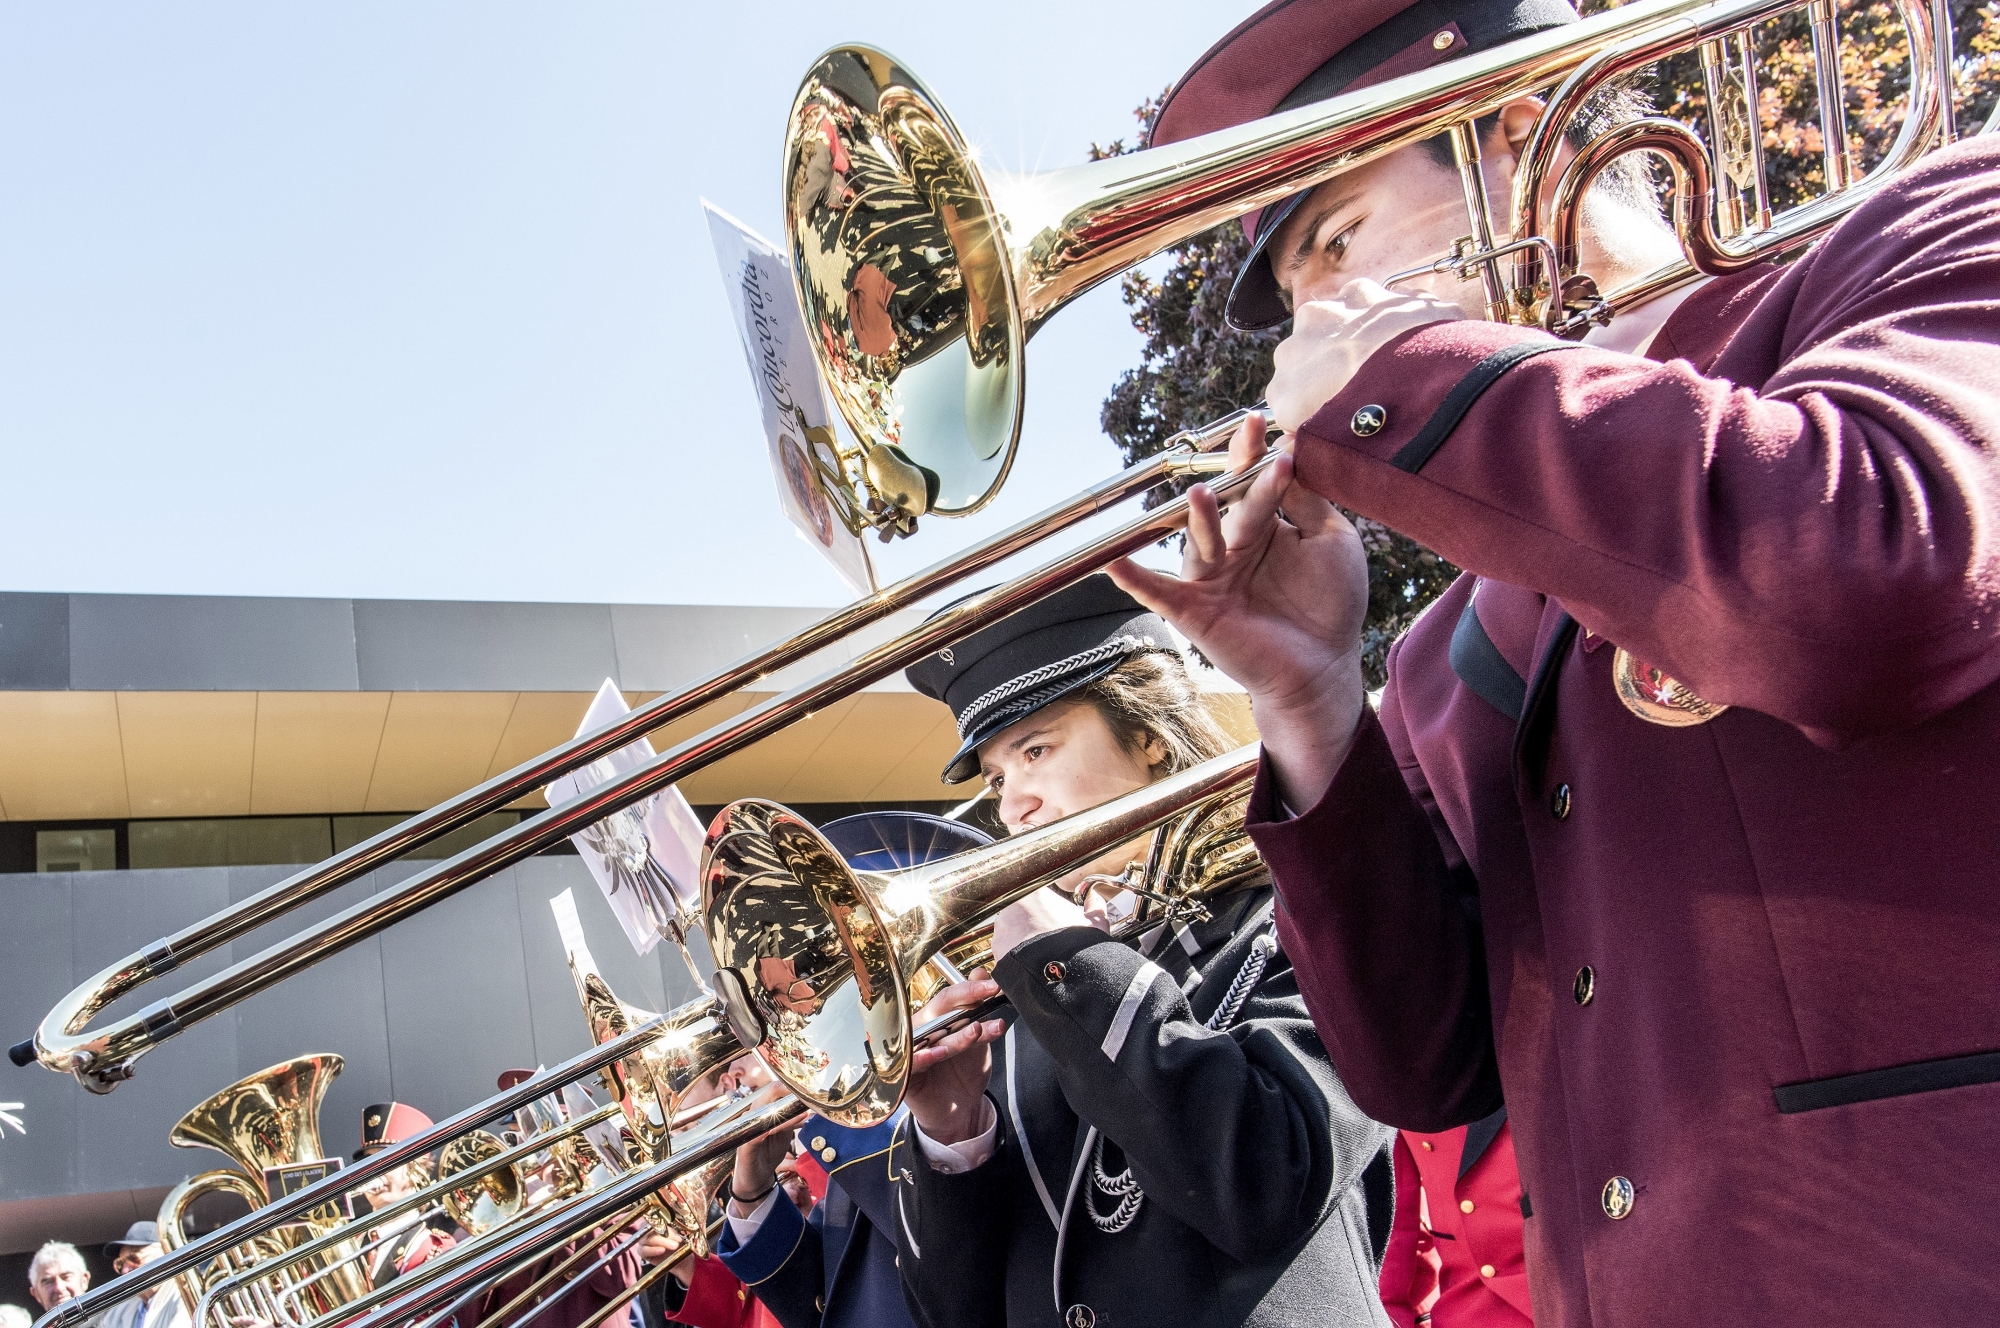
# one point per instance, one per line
(1041, 912)
(757, 1168)
(947, 1091)
(1274, 595)
(1332, 339)
(794, 1185)
(661, 1245)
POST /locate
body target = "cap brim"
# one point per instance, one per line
(1254, 302)
(964, 763)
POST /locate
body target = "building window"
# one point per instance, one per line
(248, 842)
(76, 850)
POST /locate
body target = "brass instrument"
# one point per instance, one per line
(983, 261)
(923, 273)
(1198, 856)
(929, 376)
(814, 960)
(270, 1119)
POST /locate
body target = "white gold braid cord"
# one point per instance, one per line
(1122, 1186)
(1062, 668)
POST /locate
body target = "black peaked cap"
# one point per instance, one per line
(1004, 673)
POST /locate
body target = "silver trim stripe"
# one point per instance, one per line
(1128, 1008)
(1021, 1133)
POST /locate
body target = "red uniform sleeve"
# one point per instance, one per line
(715, 1299)
(1409, 1264)
(1810, 528)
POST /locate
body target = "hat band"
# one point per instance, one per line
(977, 714)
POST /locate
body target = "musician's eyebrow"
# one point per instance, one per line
(1014, 745)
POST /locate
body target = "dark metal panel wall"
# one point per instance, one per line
(428, 1014)
(211, 643)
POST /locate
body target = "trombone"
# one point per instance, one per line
(988, 260)
(993, 258)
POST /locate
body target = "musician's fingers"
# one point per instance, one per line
(1312, 514)
(1206, 544)
(959, 995)
(1247, 443)
(955, 1043)
(1255, 510)
(1163, 594)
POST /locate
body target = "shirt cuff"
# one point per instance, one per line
(955, 1159)
(743, 1228)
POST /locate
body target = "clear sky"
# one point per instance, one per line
(416, 299)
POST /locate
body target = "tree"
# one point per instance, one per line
(1195, 367)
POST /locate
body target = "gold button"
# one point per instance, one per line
(1465, 1205)
(1559, 802)
(1368, 421)
(1427, 1147)
(1053, 971)
(819, 1142)
(1617, 1198)
(1442, 42)
(1486, 1270)
(819, 1304)
(741, 1294)
(826, 1155)
(1586, 984)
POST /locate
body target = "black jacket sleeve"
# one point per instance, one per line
(952, 1234)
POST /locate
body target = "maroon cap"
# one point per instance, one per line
(514, 1078)
(1292, 53)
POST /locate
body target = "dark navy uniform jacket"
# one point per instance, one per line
(836, 1268)
(1249, 1150)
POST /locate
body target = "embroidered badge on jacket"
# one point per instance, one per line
(1656, 698)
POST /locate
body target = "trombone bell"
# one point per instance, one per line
(814, 960)
(903, 274)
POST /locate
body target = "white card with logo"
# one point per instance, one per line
(758, 281)
(644, 857)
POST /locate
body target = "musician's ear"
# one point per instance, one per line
(1516, 120)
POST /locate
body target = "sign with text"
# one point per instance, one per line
(797, 424)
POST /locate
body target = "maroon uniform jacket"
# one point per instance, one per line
(1780, 1072)
(1454, 1257)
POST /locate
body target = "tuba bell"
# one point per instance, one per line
(265, 1121)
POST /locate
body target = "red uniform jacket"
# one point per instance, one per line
(715, 1299)
(1454, 1257)
(1783, 1079)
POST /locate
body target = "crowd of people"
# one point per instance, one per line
(1631, 958)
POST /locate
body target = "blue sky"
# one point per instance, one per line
(417, 300)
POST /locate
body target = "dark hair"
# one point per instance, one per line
(1629, 179)
(1151, 698)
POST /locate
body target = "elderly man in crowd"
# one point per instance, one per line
(159, 1307)
(56, 1274)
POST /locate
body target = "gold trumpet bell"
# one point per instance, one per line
(814, 960)
(805, 966)
(651, 1084)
